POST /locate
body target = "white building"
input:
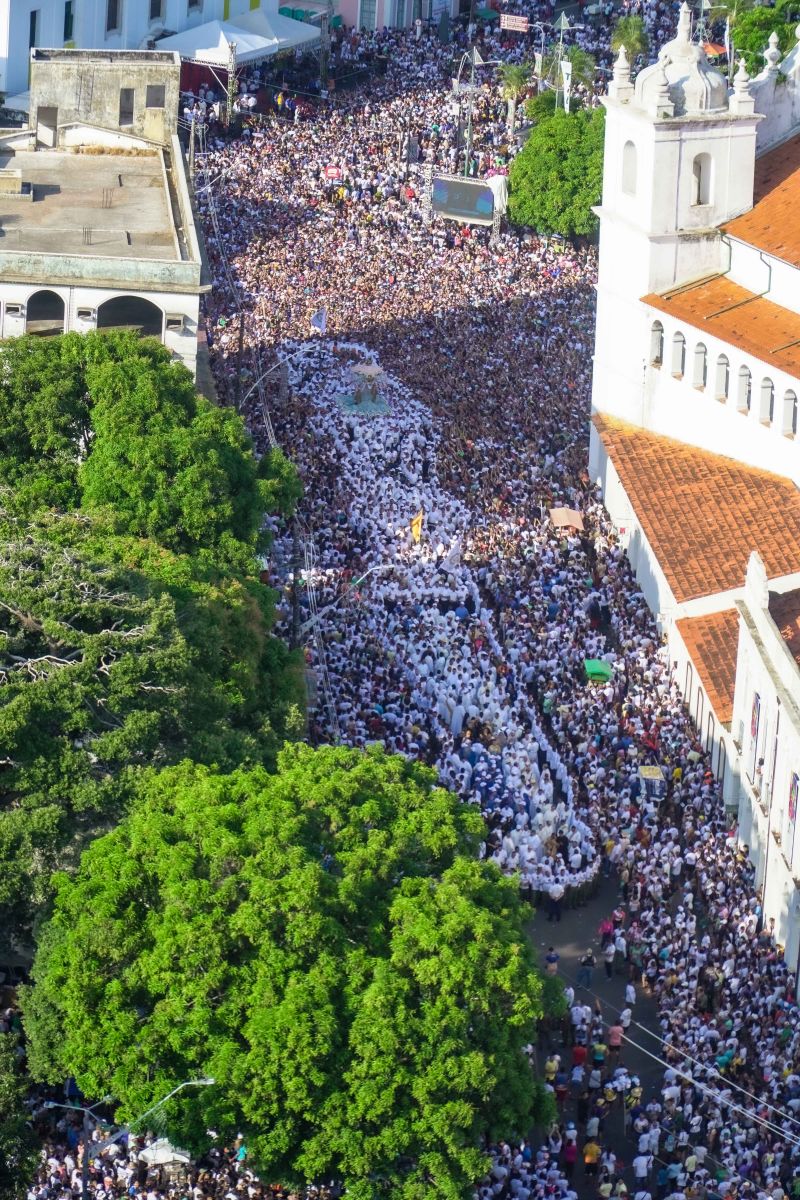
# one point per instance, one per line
(97, 228)
(694, 434)
(99, 25)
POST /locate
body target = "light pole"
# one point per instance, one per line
(561, 26)
(472, 57)
(276, 367)
(203, 1081)
(87, 1112)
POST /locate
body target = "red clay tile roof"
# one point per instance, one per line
(757, 326)
(772, 224)
(785, 612)
(701, 513)
(712, 642)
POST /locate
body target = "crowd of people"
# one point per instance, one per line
(447, 616)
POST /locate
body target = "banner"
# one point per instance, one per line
(416, 526)
(537, 64)
(566, 75)
(513, 22)
(320, 320)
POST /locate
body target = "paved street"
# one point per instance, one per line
(571, 937)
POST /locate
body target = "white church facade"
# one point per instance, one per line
(695, 437)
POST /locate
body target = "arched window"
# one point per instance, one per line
(678, 355)
(744, 390)
(656, 344)
(702, 182)
(44, 314)
(789, 415)
(766, 401)
(722, 381)
(698, 712)
(687, 684)
(131, 312)
(699, 366)
(709, 733)
(629, 169)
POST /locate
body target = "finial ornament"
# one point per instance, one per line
(741, 79)
(622, 68)
(772, 55)
(684, 34)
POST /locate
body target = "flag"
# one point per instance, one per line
(416, 526)
(320, 320)
(453, 557)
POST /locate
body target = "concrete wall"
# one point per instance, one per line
(678, 408)
(777, 95)
(88, 86)
(767, 731)
(716, 739)
(182, 343)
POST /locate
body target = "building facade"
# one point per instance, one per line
(97, 25)
(96, 215)
(694, 430)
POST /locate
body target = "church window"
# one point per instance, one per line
(678, 355)
(766, 402)
(789, 424)
(656, 344)
(702, 169)
(722, 382)
(629, 169)
(745, 390)
(699, 366)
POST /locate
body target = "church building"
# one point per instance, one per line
(694, 435)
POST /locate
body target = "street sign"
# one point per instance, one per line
(515, 23)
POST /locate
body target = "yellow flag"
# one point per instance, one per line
(416, 526)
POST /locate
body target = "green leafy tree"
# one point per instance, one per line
(111, 422)
(19, 1147)
(116, 654)
(325, 943)
(558, 175)
(751, 30)
(541, 105)
(515, 79)
(45, 427)
(630, 31)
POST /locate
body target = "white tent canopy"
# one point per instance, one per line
(256, 35)
(161, 1152)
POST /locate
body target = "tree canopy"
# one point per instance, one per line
(109, 421)
(558, 174)
(325, 943)
(19, 1146)
(630, 31)
(116, 654)
(751, 30)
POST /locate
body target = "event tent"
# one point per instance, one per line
(256, 35)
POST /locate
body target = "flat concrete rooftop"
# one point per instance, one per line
(97, 205)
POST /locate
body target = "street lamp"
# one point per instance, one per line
(203, 1081)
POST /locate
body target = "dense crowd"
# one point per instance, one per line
(464, 643)
(447, 616)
